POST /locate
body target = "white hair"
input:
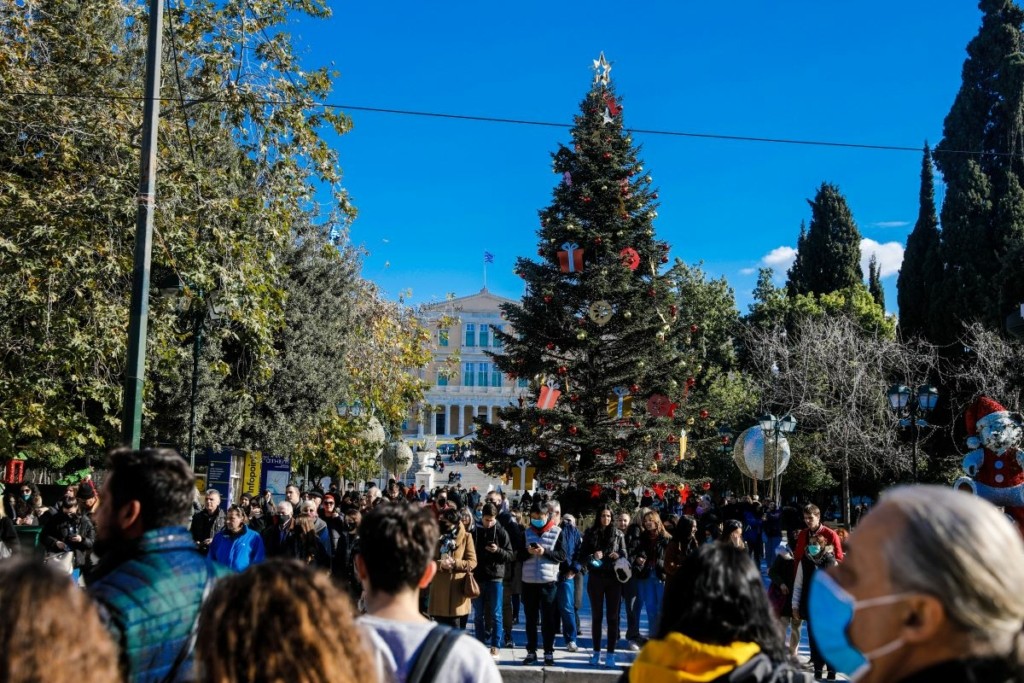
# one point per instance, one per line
(963, 551)
(554, 507)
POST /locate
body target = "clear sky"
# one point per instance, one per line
(433, 194)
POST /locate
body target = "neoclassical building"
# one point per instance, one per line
(475, 386)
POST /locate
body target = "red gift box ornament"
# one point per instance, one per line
(549, 394)
(14, 471)
(595, 491)
(630, 258)
(614, 108)
(570, 259)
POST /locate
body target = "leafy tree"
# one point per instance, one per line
(875, 282)
(829, 257)
(921, 272)
(611, 323)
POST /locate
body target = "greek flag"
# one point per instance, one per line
(488, 257)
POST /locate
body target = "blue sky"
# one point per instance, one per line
(434, 194)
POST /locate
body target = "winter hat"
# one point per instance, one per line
(982, 412)
(86, 491)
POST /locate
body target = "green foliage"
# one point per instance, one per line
(604, 205)
(828, 254)
(875, 282)
(921, 273)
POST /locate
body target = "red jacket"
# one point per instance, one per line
(830, 534)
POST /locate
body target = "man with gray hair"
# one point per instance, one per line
(933, 591)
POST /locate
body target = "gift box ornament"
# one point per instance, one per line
(549, 394)
(570, 258)
(620, 404)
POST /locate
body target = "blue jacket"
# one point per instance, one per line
(573, 541)
(237, 552)
(149, 593)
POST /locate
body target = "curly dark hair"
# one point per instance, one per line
(311, 636)
(718, 597)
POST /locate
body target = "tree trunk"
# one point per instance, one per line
(846, 490)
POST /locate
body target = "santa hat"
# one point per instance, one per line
(982, 412)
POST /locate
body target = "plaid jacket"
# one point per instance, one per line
(149, 596)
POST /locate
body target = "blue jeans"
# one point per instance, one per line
(567, 608)
(651, 592)
(487, 613)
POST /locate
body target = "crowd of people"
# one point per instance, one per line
(381, 585)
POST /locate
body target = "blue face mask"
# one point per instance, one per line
(830, 612)
(813, 549)
(538, 523)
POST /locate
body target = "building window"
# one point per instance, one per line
(439, 423)
(442, 379)
(467, 374)
(497, 342)
(495, 377)
(523, 383)
(442, 337)
(482, 374)
(484, 333)
(470, 335)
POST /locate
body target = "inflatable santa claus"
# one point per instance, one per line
(995, 465)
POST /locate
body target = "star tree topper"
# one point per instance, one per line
(602, 70)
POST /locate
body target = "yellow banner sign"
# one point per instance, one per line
(251, 473)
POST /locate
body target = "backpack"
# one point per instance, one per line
(432, 654)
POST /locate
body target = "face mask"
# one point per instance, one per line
(284, 518)
(26, 496)
(813, 549)
(830, 611)
(538, 523)
(446, 527)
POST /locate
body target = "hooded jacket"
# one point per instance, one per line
(681, 659)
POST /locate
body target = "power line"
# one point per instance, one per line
(530, 122)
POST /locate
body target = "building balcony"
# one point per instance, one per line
(454, 392)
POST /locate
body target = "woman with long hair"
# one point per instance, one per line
(280, 621)
(602, 546)
(10, 544)
(304, 545)
(49, 629)
(717, 626)
(456, 558)
(649, 566)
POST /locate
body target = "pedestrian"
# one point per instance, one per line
(28, 506)
(236, 545)
(603, 545)
(717, 626)
(275, 536)
(732, 533)
(772, 529)
(753, 530)
(818, 555)
(684, 543)
(305, 544)
(812, 520)
(397, 546)
(49, 629)
(542, 553)
(456, 558)
(494, 553)
(208, 521)
(630, 529)
(10, 544)
(69, 537)
(649, 566)
(567, 573)
(311, 637)
(781, 574)
(151, 577)
(931, 595)
(512, 585)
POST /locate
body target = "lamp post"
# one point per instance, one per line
(911, 409)
(776, 427)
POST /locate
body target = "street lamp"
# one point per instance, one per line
(776, 427)
(350, 409)
(911, 408)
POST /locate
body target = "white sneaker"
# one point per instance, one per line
(634, 646)
(609, 660)
(571, 647)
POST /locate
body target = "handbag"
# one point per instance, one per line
(63, 561)
(470, 588)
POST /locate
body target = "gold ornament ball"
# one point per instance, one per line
(627, 314)
(604, 187)
(689, 421)
(672, 384)
(581, 335)
(641, 364)
(660, 336)
(650, 233)
(648, 179)
(620, 233)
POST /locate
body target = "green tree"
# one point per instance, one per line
(829, 257)
(611, 323)
(875, 282)
(921, 272)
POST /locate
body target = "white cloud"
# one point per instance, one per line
(748, 271)
(779, 258)
(891, 224)
(889, 255)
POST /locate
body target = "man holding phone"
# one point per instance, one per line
(542, 554)
(494, 553)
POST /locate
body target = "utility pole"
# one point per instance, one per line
(135, 368)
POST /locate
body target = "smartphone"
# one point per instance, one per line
(535, 545)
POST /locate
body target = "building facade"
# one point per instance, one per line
(464, 380)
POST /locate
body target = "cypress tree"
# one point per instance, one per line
(829, 256)
(875, 282)
(796, 277)
(1009, 237)
(921, 272)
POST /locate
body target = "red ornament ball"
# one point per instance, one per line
(480, 466)
(693, 329)
(664, 259)
(562, 370)
(550, 346)
(541, 421)
(651, 293)
(706, 486)
(725, 441)
(658, 456)
(634, 388)
(586, 200)
(548, 298)
(598, 241)
(690, 382)
(573, 429)
(704, 414)
(574, 398)
(543, 455)
(607, 155)
(486, 432)
(597, 451)
(654, 196)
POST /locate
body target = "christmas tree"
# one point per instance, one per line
(599, 334)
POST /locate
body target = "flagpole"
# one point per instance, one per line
(485, 274)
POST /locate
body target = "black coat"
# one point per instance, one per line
(205, 525)
(273, 545)
(9, 535)
(491, 566)
(607, 540)
(61, 527)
